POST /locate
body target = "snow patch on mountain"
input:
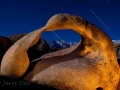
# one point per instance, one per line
(60, 44)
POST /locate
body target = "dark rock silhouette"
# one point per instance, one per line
(118, 61)
(117, 47)
(5, 43)
(37, 50)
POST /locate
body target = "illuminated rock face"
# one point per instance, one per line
(15, 61)
(90, 65)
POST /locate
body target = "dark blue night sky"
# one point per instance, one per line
(24, 16)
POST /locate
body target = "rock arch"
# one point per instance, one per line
(87, 67)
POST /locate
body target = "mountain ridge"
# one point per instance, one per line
(62, 44)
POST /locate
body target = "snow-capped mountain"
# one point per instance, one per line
(60, 44)
(116, 41)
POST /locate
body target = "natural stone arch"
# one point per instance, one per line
(77, 69)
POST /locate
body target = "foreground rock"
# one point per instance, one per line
(87, 67)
